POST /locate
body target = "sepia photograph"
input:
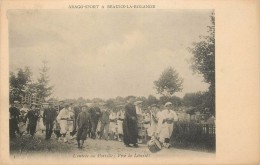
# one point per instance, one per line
(118, 83)
(127, 82)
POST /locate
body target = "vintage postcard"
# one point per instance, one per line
(128, 82)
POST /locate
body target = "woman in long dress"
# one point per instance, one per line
(41, 126)
(63, 118)
(112, 124)
(120, 119)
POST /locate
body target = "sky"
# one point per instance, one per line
(106, 54)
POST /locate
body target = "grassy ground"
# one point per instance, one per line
(26, 144)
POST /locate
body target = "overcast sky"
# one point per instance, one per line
(106, 54)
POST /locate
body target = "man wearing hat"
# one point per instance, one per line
(14, 114)
(165, 124)
(83, 122)
(130, 128)
(32, 116)
(49, 116)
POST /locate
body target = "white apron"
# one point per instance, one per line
(61, 118)
(164, 129)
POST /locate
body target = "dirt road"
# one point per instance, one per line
(93, 148)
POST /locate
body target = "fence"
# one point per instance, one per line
(30, 98)
(194, 135)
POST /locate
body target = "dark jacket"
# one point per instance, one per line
(32, 116)
(49, 115)
(83, 120)
(14, 114)
(130, 128)
(95, 113)
(104, 117)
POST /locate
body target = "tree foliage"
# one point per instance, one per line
(169, 82)
(44, 89)
(193, 99)
(203, 60)
(18, 83)
(152, 100)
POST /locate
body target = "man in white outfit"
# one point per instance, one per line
(166, 121)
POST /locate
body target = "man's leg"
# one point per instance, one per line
(47, 125)
(50, 130)
(79, 134)
(101, 131)
(11, 130)
(93, 129)
(106, 130)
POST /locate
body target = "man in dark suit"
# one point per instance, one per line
(83, 122)
(95, 114)
(49, 116)
(130, 128)
(14, 114)
(32, 116)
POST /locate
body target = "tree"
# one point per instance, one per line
(169, 82)
(203, 60)
(44, 89)
(152, 100)
(19, 83)
(193, 99)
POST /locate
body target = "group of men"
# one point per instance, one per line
(125, 123)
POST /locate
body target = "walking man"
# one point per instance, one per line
(14, 114)
(32, 117)
(49, 116)
(83, 121)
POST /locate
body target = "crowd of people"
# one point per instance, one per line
(130, 123)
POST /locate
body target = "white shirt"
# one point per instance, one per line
(64, 113)
(138, 110)
(166, 114)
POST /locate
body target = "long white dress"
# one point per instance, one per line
(120, 115)
(40, 125)
(152, 129)
(62, 119)
(165, 129)
(112, 125)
